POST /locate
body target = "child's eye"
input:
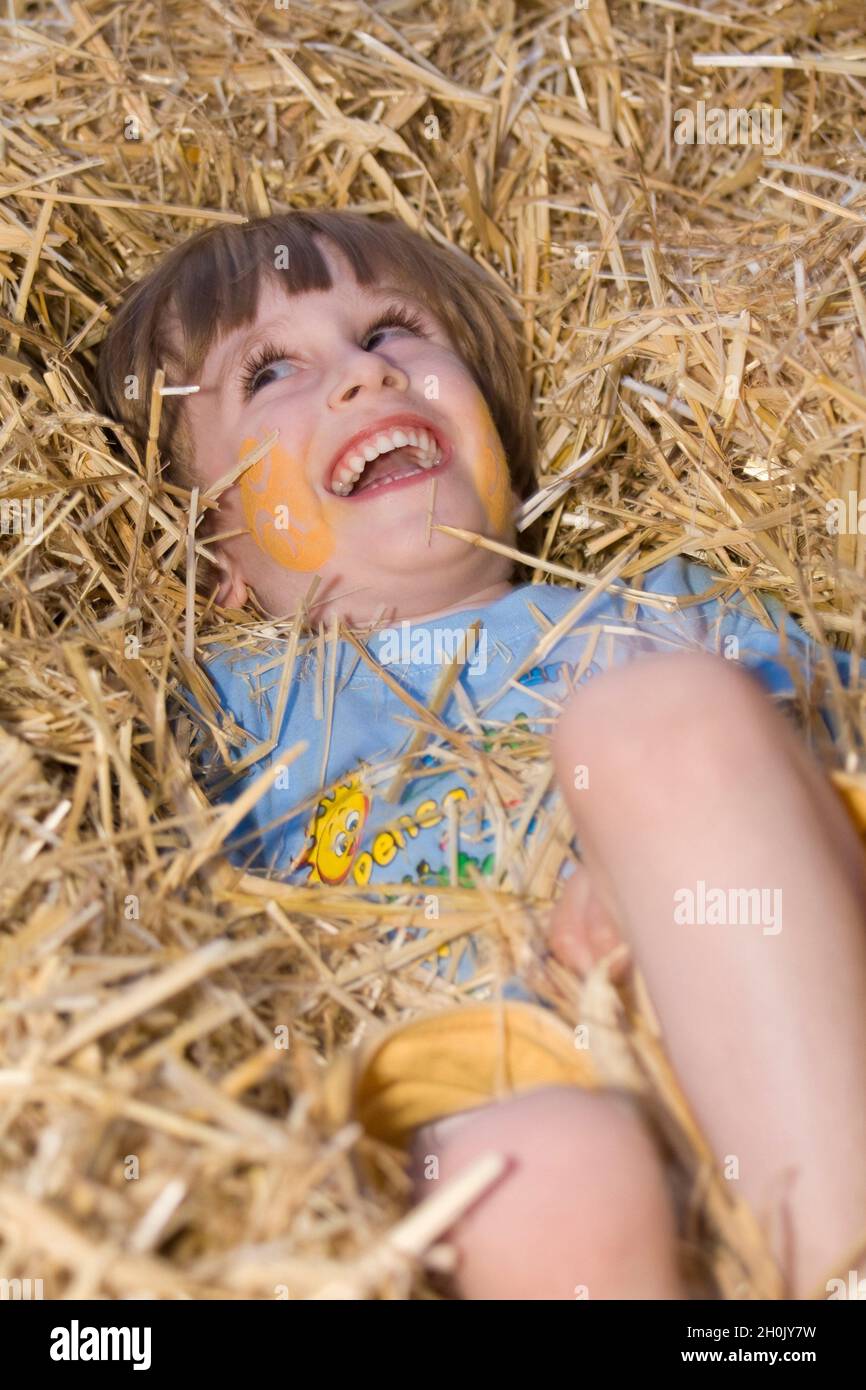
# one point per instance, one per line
(262, 369)
(268, 364)
(395, 317)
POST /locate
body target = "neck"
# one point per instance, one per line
(474, 600)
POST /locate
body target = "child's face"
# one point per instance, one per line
(330, 381)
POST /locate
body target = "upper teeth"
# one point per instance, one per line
(350, 468)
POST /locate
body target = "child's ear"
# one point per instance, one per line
(231, 590)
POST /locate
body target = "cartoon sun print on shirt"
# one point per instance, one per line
(334, 832)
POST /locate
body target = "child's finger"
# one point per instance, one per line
(582, 931)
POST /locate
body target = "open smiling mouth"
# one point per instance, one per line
(392, 458)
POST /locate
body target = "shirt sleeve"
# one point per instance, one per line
(240, 717)
(728, 626)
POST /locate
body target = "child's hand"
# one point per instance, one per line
(582, 931)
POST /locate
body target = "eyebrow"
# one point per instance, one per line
(260, 334)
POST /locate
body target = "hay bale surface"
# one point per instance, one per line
(694, 326)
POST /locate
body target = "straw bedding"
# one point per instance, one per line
(694, 325)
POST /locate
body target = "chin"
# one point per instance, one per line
(413, 556)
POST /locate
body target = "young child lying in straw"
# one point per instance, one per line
(344, 365)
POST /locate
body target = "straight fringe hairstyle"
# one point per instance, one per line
(209, 285)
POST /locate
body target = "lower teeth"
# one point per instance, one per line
(382, 482)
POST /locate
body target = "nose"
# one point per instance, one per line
(365, 370)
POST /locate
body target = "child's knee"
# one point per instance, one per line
(662, 718)
(584, 1198)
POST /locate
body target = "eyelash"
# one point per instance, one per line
(395, 316)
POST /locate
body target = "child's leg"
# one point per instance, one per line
(582, 1211)
(693, 776)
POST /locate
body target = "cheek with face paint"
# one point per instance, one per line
(283, 513)
(491, 471)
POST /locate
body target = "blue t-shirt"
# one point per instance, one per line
(352, 808)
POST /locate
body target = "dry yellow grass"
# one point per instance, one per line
(695, 334)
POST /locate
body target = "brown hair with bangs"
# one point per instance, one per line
(209, 285)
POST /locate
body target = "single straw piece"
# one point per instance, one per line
(417, 1231)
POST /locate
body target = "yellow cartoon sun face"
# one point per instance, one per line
(334, 833)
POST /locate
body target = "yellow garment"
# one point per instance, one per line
(460, 1058)
(853, 794)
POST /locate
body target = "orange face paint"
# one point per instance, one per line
(494, 482)
(282, 511)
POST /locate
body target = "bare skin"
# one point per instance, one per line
(693, 775)
(582, 1211)
(332, 378)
